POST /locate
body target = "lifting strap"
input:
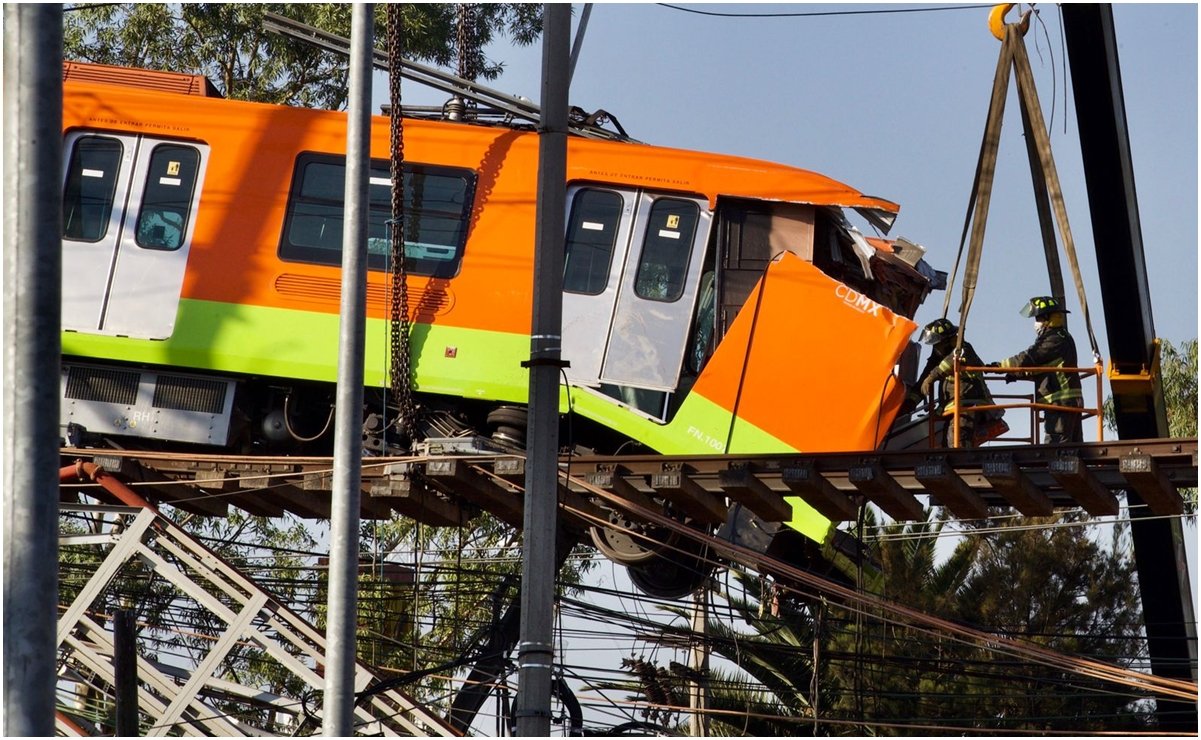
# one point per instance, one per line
(398, 318)
(1047, 190)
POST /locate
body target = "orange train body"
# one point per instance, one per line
(712, 303)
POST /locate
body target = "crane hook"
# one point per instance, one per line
(996, 20)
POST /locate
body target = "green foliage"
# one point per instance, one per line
(1178, 380)
(463, 581)
(1178, 373)
(227, 43)
(1053, 586)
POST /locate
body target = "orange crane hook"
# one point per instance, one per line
(996, 20)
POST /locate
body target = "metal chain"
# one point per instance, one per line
(461, 40)
(401, 379)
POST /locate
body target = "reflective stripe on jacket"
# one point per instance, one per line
(1053, 347)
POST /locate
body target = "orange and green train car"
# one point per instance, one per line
(711, 304)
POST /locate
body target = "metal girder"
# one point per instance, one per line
(1139, 411)
(181, 700)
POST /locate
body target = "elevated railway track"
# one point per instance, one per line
(447, 489)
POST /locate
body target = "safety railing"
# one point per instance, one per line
(1026, 401)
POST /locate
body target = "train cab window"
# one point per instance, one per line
(437, 203)
(167, 197)
(666, 247)
(91, 187)
(591, 235)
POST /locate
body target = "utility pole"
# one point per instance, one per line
(535, 650)
(698, 690)
(348, 424)
(33, 134)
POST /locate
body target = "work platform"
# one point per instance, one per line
(448, 489)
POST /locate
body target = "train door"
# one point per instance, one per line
(129, 206)
(630, 285)
(598, 240)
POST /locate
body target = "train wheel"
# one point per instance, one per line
(628, 542)
(508, 424)
(676, 573)
(661, 562)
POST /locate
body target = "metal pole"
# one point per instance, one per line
(535, 650)
(125, 672)
(697, 690)
(348, 424)
(33, 54)
(579, 40)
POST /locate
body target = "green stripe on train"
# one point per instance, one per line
(700, 427)
(275, 342)
(469, 363)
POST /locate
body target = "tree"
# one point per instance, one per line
(1178, 381)
(228, 43)
(1178, 373)
(1054, 586)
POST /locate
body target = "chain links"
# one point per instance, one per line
(398, 328)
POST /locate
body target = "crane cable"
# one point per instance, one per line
(1048, 193)
(398, 318)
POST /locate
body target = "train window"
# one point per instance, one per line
(591, 236)
(167, 197)
(666, 247)
(91, 185)
(437, 202)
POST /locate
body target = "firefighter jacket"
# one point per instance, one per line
(940, 366)
(1053, 347)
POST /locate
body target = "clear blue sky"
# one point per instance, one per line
(894, 105)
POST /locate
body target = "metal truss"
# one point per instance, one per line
(204, 694)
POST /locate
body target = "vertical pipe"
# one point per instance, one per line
(579, 41)
(125, 673)
(697, 690)
(535, 649)
(33, 55)
(348, 425)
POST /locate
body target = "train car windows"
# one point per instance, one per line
(91, 186)
(167, 197)
(666, 247)
(591, 237)
(436, 208)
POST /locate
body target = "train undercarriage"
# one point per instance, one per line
(119, 407)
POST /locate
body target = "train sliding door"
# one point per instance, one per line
(129, 205)
(631, 273)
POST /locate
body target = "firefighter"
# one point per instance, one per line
(1053, 347)
(940, 335)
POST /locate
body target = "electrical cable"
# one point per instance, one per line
(818, 14)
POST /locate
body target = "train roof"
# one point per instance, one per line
(634, 163)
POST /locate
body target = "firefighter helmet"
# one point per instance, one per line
(1042, 306)
(938, 330)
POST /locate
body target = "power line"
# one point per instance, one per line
(815, 14)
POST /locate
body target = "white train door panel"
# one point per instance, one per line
(598, 237)
(657, 294)
(129, 209)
